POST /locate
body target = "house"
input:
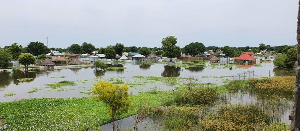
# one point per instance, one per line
(214, 59)
(60, 61)
(246, 59)
(123, 57)
(48, 64)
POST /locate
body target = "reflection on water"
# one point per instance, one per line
(284, 72)
(17, 75)
(99, 73)
(5, 78)
(195, 69)
(145, 66)
(127, 124)
(171, 71)
(278, 109)
(75, 70)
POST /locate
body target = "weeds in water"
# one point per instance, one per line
(236, 118)
(9, 95)
(115, 68)
(25, 79)
(33, 90)
(61, 83)
(67, 114)
(177, 118)
(236, 85)
(276, 87)
(59, 77)
(196, 96)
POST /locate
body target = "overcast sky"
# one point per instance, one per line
(146, 23)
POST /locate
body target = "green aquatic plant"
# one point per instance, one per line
(68, 114)
(25, 79)
(115, 68)
(196, 96)
(9, 95)
(61, 84)
(236, 118)
(33, 90)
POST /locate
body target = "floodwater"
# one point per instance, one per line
(84, 78)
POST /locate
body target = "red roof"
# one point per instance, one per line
(245, 57)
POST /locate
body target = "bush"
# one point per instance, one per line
(100, 65)
(197, 96)
(236, 85)
(276, 87)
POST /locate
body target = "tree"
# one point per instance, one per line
(291, 57)
(26, 59)
(295, 125)
(87, 48)
(115, 96)
(75, 48)
(262, 46)
(102, 51)
(279, 60)
(145, 51)
(169, 47)
(194, 48)
(228, 51)
(4, 58)
(37, 48)
(15, 50)
(110, 52)
(99, 65)
(286, 60)
(119, 48)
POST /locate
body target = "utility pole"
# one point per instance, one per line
(47, 41)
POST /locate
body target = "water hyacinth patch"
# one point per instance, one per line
(33, 90)
(67, 114)
(9, 95)
(60, 84)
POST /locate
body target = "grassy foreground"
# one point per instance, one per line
(66, 114)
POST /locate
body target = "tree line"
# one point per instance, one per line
(168, 49)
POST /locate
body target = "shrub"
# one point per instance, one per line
(197, 96)
(273, 87)
(235, 85)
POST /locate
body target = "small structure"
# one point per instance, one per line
(245, 59)
(117, 56)
(101, 56)
(123, 57)
(138, 57)
(48, 64)
(74, 62)
(214, 59)
(60, 61)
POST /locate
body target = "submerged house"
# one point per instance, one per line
(48, 64)
(245, 59)
(60, 61)
(214, 59)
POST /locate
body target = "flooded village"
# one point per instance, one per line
(191, 87)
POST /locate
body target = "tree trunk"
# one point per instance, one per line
(113, 119)
(295, 115)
